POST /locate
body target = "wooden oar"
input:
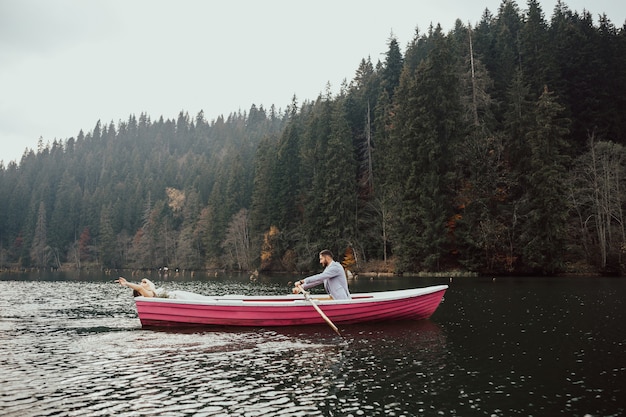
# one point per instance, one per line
(319, 310)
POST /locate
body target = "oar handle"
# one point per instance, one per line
(319, 310)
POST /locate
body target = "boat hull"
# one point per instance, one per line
(294, 310)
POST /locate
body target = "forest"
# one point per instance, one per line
(494, 149)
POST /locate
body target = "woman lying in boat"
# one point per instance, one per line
(146, 288)
(333, 278)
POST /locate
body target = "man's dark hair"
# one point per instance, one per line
(326, 252)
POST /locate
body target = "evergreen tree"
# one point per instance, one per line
(484, 40)
(107, 241)
(478, 230)
(545, 202)
(314, 154)
(506, 51)
(390, 75)
(188, 244)
(262, 209)
(65, 214)
(384, 169)
(287, 175)
(40, 251)
(535, 56)
(424, 135)
(611, 88)
(338, 192)
(518, 118)
(575, 45)
(441, 156)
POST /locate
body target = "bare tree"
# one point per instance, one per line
(237, 242)
(381, 206)
(597, 197)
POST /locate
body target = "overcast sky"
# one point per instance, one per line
(65, 64)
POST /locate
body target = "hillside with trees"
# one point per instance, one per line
(496, 149)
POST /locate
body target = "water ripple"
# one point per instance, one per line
(77, 348)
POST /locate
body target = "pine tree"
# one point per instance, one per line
(506, 52)
(580, 71)
(535, 56)
(545, 202)
(107, 241)
(261, 208)
(40, 251)
(338, 192)
(518, 117)
(420, 158)
(390, 76)
(286, 184)
(65, 214)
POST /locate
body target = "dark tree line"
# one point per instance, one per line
(138, 194)
(496, 148)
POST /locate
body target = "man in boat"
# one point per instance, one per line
(146, 288)
(333, 277)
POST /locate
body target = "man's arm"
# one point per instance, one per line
(331, 271)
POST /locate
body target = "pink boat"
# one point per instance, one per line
(288, 310)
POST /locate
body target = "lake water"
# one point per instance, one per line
(514, 346)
